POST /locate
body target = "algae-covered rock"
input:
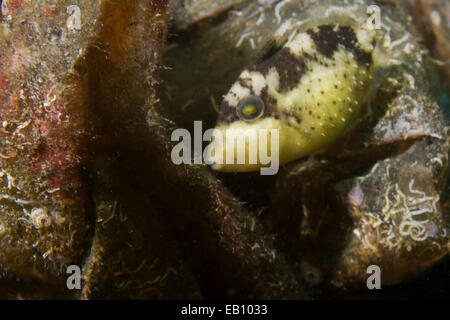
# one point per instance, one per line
(43, 211)
(62, 70)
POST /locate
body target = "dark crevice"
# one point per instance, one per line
(91, 218)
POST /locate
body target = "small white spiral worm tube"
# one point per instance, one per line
(40, 218)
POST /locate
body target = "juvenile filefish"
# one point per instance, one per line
(311, 87)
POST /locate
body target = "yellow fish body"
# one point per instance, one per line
(311, 90)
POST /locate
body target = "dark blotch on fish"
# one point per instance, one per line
(327, 41)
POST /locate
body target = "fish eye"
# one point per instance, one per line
(250, 108)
